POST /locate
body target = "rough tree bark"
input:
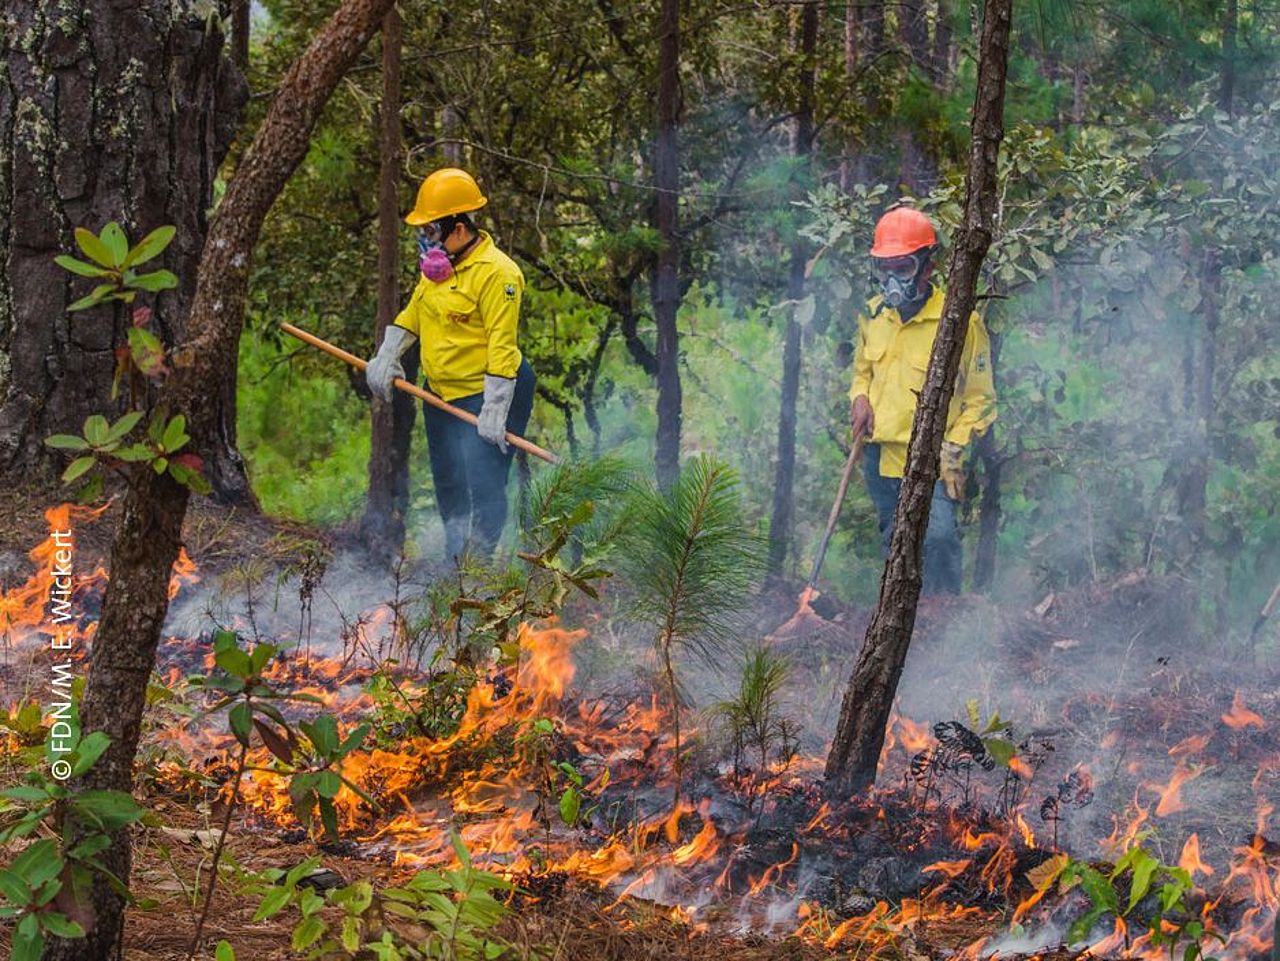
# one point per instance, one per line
(802, 134)
(122, 112)
(1230, 27)
(666, 281)
(147, 541)
(851, 765)
(382, 526)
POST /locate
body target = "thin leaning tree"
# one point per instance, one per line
(147, 540)
(864, 713)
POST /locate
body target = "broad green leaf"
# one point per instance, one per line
(77, 468)
(234, 661)
(308, 933)
(570, 806)
(61, 925)
(25, 793)
(38, 863)
(93, 298)
(1001, 751)
(125, 424)
(88, 751)
(134, 452)
(113, 809)
(80, 267)
(175, 434)
(155, 281)
(328, 785)
(460, 849)
(224, 952)
(241, 722)
(351, 934)
(96, 429)
(116, 242)
(150, 246)
(272, 904)
(28, 940)
(95, 249)
(66, 442)
(328, 817)
(13, 888)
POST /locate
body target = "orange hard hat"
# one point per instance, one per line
(448, 190)
(902, 231)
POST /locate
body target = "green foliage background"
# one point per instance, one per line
(1131, 284)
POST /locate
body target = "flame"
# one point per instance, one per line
(1171, 793)
(1190, 861)
(1240, 717)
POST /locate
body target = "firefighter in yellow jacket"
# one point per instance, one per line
(895, 339)
(464, 314)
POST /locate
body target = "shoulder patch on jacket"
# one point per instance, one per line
(509, 291)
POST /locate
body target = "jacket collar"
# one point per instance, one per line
(481, 252)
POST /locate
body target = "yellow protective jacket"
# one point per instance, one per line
(889, 367)
(466, 325)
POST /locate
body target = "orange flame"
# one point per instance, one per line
(1240, 717)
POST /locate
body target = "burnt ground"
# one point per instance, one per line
(1111, 676)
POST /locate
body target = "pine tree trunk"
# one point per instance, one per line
(119, 112)
(382, 526)
(1230, 27)
(802, 133)
(147, 541)
(666, 281)
(855, 751)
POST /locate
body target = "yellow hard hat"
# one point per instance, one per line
(446, 191)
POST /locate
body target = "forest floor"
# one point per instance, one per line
(1176, 738)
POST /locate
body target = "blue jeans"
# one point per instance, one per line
(470, 474)
(942, 537)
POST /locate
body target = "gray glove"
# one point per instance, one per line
(385, 367)
(492, 423)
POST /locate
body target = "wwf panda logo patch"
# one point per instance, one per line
(509, 291)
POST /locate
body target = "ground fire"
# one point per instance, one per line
(963, 845)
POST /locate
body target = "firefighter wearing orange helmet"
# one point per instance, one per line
(464, 315)
(895, 338)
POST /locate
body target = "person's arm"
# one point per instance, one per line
(499, 304)
(861, 416)
(975, 387)
(399, 336)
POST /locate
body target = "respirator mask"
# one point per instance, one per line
(433, 260)
(900, 277)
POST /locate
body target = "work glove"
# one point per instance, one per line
(492, 423)
(861, 417)
(385, 366)
(951, 469)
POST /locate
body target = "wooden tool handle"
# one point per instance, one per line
(855, 453)
(515, 440)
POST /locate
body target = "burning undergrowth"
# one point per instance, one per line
(983, 831)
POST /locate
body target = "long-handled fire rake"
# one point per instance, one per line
(515, 440)
(804, 610)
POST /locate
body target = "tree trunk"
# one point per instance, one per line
(382, 526)
(866, 166)
(108, 112)
(855, 752)
(666, 281)
(240, 26)
(852, 28)
(1201, 362)
(147, 540)
(941, 60)
(802, 133)
(1230, 25)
